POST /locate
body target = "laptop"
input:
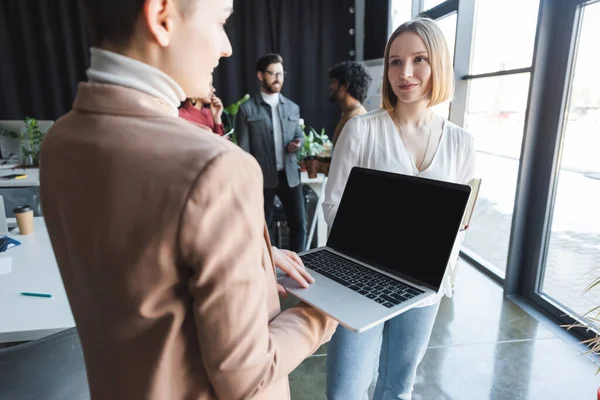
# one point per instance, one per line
(388, 248)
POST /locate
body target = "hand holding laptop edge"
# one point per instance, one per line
(290, 263)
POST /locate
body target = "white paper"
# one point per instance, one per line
(5, 265)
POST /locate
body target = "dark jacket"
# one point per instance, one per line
(254, 128)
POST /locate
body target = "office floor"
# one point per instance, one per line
(483, 347)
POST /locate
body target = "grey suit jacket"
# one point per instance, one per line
(254, 128)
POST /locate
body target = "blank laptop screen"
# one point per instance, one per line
(402, 224)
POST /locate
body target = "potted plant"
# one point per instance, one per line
(30, 142)
(231, 112)
(588, 320)
(314, 155)
(324, 158)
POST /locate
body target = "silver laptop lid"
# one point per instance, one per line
(402, 224)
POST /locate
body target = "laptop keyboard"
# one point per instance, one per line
(365, 281)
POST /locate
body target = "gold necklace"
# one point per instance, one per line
(397, 124)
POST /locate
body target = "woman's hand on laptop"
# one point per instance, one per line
(291, 264)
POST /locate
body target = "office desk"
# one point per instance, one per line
(17, 192)
(318, 222)
(34, 269)
(32, 180)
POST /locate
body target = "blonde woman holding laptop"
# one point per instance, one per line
(403, 136)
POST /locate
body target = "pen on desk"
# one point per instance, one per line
(36, 294)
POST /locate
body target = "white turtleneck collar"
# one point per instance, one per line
(271, 99)
(112, 68)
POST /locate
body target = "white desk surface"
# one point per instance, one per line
(312, 182)
(32, 180)
(318, 221)
(34, 269)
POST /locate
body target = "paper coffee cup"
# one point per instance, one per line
(24, 215)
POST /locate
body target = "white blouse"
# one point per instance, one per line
(372, 141)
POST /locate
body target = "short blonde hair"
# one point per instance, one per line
(442, 73)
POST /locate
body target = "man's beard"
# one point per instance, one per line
(333, 97)
(268, 87)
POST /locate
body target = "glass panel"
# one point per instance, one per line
(504, 35)
(429, 4)
(401, 11)
(448, 25)
(573, 254)
(496, 118)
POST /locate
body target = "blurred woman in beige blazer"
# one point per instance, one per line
(159, 229)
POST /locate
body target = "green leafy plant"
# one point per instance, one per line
(30, 141)
(231, 112)
(7, 133)
(315, 144)
(587, 321)
(314, 156)
(31, 145)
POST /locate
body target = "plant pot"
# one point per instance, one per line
(302, 165)
(311, 165)
(324, 164)
(312, 168)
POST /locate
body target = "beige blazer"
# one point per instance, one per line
(158, 230)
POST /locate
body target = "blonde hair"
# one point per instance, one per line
(442, 73)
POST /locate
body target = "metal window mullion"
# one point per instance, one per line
(465, 26)
(417, 7)
(537, 276)
(544, 118)
(498, 73)
(441, 10)
(481, 264)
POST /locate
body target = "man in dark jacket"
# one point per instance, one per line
(268, 127)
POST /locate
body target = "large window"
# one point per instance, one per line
(495, 115)
(573, 257)
(448, 25)
(528, 90)
(428, 4)
(400, 12)
(504, 35)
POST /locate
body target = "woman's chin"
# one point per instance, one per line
(409, 99)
